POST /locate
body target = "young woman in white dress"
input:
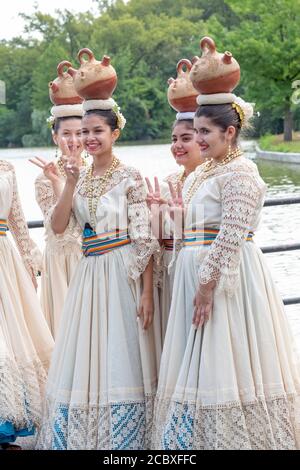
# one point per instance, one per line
(25, 340)
(186, 153)
(229, 376)
(62, 251)
(103, 376)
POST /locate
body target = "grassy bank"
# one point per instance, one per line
(276, 143)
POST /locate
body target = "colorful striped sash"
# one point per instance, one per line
(98, 244)
(3, 227)
(205, 237)
(168, 244)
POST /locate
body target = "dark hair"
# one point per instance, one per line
(57, 121)
(221, 115)
(107, 114)
(188, 122)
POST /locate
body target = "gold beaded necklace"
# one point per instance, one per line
(207, 171)
(181, 178)
(60, 166)
(95, 191)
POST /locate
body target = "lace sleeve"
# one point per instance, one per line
(29, 252)
(241, 201)
(45, 197)
(47, 201)
(144, 245)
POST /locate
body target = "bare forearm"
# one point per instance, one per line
(57, 188)
(62, 210)
(148, 278)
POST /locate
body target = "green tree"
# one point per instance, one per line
(267, 46)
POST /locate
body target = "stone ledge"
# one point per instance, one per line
(281, 157)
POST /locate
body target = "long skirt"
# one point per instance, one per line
(233, 383)
(103, 376)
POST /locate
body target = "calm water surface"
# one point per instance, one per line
(279, 224)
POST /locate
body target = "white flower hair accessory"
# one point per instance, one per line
(50, 121)
(244, 109)
(110, 103)
(121, 121)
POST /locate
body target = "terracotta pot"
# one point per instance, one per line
(181, 93)
(214, 72)
(94, 80)
(61, 90)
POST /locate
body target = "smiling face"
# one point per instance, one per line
(97, 136)
(212, 140)
(184, 146)
(70, 130)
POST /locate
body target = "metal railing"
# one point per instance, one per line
(264, 249)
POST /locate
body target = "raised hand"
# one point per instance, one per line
(154, 195)
(72, 169)
(176, 205)
(49, 168)
(66, 152)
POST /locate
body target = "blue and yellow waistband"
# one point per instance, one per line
(95, 244)
(3, 227)
(205, 237)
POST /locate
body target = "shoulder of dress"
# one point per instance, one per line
(6, 166)
(243, 164)
(172, 178)
(130, 171)
(41, 179)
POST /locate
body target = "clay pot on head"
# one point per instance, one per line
(214, 72)
(94, 80)
(181, 93)
(61, 90)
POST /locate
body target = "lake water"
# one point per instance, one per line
(279, 224)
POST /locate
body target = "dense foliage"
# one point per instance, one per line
(145, 39)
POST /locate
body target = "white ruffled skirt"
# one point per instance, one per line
(25, 344)
(235, 382)
(103, 375)
(165, 291)
(59, 265)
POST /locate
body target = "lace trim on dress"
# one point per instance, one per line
(265, 424)
(47, 200)
(143, 244)
(116, 426)
(241, 203)
(28, 250)
(174, 178)
(242, 196)
(21, 392)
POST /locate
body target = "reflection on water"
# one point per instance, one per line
(279, 224)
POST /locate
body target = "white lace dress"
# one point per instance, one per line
(235, 382)
(103, 375)
(25, 340)
(60, 258)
